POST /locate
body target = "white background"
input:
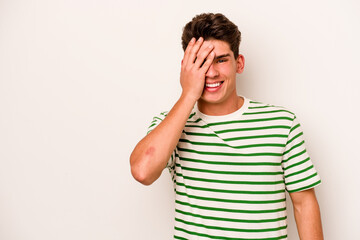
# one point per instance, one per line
(81, 80)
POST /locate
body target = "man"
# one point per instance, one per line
(231, 158)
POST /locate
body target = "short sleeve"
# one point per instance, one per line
(299, 171)
(155, 122)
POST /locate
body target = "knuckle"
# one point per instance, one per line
(206, 65)
(204, 54)
(193, 50)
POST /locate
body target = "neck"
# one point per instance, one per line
(231, 105)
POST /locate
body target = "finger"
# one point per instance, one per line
(209, 60)
(187, 50)
(195, 50)
(203, 55)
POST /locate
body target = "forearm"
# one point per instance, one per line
(308, 219)
(151, 154)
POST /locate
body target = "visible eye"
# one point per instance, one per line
(221, 60)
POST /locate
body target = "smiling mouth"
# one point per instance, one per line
(213, 85)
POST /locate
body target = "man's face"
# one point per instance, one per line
(220, 79)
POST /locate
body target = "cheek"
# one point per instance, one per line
(228, 71)
(223, 69)
(230, 75)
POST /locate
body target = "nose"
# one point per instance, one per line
(212, 72)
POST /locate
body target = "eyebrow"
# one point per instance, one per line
(224, 55)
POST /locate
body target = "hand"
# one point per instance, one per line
(194, 66)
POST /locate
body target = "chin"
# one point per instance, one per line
(211, 100)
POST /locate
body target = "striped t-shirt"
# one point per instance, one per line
(230, 172)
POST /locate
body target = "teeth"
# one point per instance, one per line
(213, 84)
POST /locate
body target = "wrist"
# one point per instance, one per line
(188, 98)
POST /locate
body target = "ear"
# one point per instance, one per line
(240, 63)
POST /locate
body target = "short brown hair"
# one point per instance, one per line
(212, 26)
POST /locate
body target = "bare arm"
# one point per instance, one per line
(151, 154)
(307, 215)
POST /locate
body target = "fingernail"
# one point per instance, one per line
(200, 38)
(192, 40)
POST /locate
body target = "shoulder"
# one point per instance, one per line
(157, 119)
(261, 108)
(160, 116)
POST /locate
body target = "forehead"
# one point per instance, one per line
(220, 47)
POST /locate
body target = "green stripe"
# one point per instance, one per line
(273, 111)
(298, 135)
(250, 120)
(230, 219)
(229, 154)
(295, 127)
(252, 129)
(230, 229)
(298, 172)
(231, 163)
(257, 136)
(229, 181)
(195, 121)
(156, 118)
(192, 114)
(302, 180)
(228, 172)
(204, 143)
(230, 200)
(225, 238)
(293, 147)
(256, 102)
(303, 188)
(197, 126)
(230, 210)
(172, 158)
(181, 238)
(295, 155)
(200, 134)
(236, 147)
(266, 106)
(296, 164)
(229, 191)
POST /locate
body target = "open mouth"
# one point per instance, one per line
(213, 86)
